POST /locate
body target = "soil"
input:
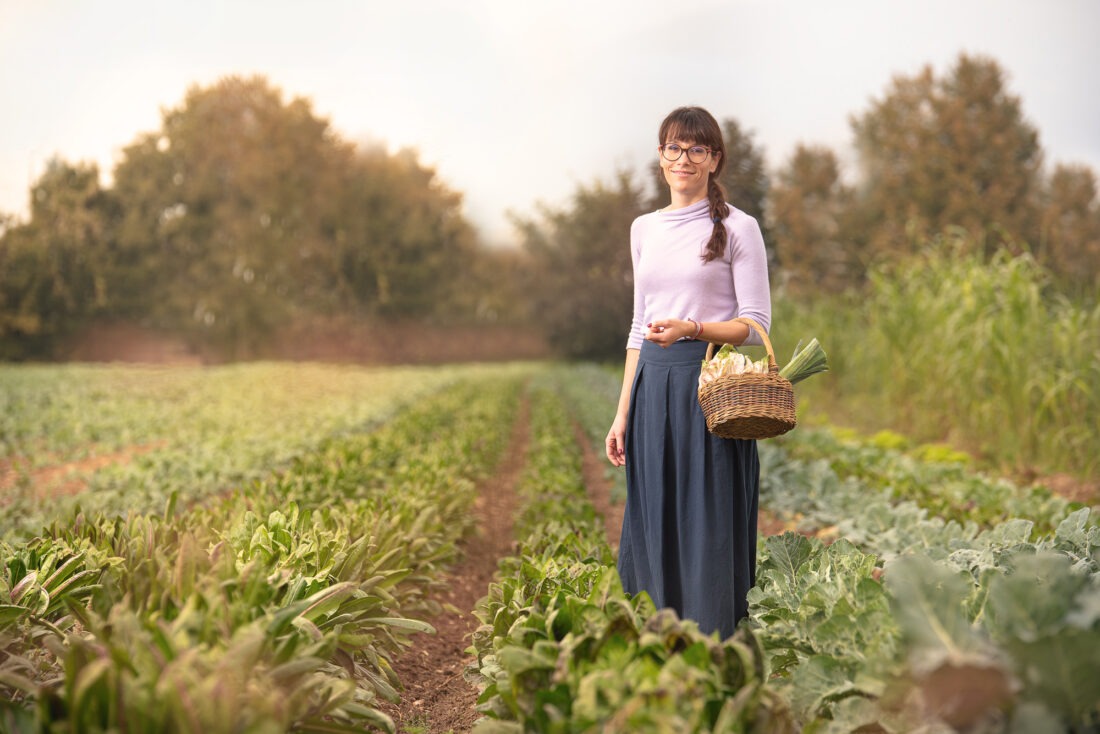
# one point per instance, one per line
(1066, 486)
(387, 342)
(130, 343)
(437, 698)
(65, 478)
(594, 468)
(768, 523)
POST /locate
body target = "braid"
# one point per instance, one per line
(719, 210)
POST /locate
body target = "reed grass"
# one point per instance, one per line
(983, 354)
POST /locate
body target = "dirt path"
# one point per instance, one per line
(437, 698)
(594, 468)
(61, 478)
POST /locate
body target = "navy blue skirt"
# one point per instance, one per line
(689, 532)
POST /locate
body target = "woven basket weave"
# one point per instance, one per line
(751, 405)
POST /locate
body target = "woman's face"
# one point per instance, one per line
(685, 178)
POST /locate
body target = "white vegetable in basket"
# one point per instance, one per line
(808, 360)
(729, 362)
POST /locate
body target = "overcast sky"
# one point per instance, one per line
(517, 102)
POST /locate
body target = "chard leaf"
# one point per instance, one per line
(10, 613)
(415, 625)
(517, 660)
(495, 726)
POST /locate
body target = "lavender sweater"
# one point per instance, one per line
(671, 280)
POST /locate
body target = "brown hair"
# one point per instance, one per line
(699, 126)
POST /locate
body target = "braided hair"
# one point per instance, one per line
(699, 126)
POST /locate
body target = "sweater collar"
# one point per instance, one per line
(701, 207)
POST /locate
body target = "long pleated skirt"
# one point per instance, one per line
(689, 532)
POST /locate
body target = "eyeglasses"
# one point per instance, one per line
(672, 152)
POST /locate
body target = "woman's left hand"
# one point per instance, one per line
(666, 331)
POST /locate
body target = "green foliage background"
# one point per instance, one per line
(947, 345)
(241, 214)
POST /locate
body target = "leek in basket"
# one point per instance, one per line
(807, 360)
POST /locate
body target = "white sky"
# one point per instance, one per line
(517, 102)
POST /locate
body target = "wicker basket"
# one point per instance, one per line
(751, 405)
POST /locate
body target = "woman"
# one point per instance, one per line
(689, 532)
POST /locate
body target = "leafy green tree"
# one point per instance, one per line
(221, 231)
(495, 288)
(241, 214)
(1069, 240)
(953, 151)
(405, 246)
(581, 279)
(808, 208)
(245, 212)
(745, 175)
(53, 267)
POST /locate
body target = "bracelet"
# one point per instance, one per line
(698, 328)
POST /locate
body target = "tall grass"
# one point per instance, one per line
(949, 346)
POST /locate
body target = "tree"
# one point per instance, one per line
(245, 212)
(808, 205)
(582, 279)
(221, 234)
(1069, 240)
(240, 214)
(405, 245)
(495, 288)
(951, 151)
(745, 176)
(53, 268)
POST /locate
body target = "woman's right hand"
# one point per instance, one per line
(615, 443)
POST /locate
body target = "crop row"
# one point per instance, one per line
(151, 432)
(913, 622)
(949, 601)
(274, 608)
(933, 477)
(563, 649)
(591, 394)
(60, 411)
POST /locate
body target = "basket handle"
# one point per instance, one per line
(773, 366)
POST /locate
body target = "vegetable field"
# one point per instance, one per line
(251, 548)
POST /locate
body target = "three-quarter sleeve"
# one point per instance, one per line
(637, 333)
(749, 270)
